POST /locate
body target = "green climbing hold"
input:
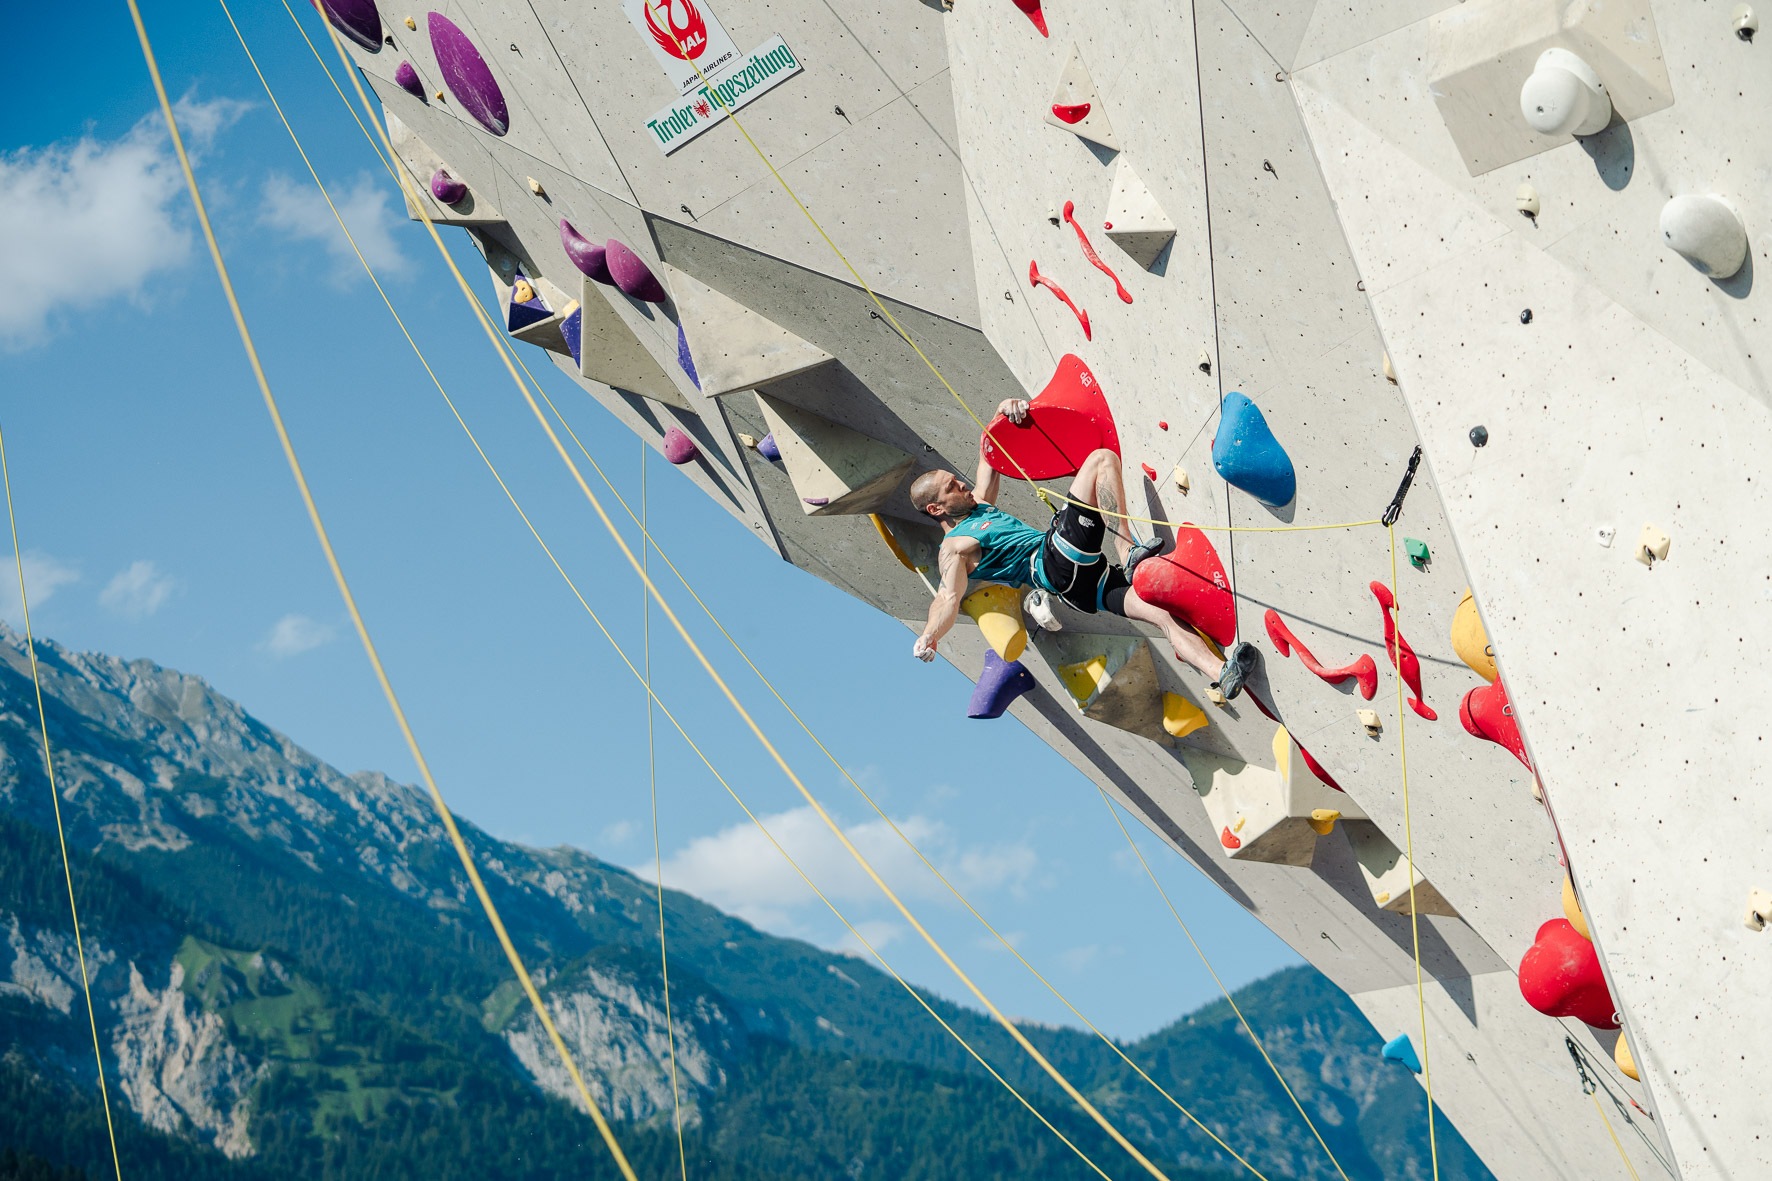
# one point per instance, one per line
(1417, 550)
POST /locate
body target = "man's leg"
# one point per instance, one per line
(1099, 482)
(1185, 640)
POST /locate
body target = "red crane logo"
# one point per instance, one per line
(688, 33)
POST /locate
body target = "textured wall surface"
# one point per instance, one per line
(1342, 179)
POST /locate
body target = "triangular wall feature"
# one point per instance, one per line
(610, 353)
(1113, 680)
(1271, 816)
(1077, 106)
(1135, 222)
(736, 348)
(1386, 871)
(834, 470)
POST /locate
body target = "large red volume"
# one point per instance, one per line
(1402, 656)
(1488, 714)
(1560, 977)
(1364, 670)
(1065, 422)
(1189, 583)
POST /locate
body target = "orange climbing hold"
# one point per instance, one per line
(1189, 582)
(1402, 656)
(1364, 670)
(1064, 423)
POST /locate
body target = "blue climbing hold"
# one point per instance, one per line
(572, 328)
(1001, 682)
(1401, 1049)
(1248, 456)
(683, 357)
(768, 450)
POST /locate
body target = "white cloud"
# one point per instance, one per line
(43, 576)
(295, 634)
(738, 870)
(619, 833)
(1078, 958)
(90, 220)
(878, 934)
(137, 591)
(295, 207)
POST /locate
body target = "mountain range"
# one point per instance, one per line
(292, 978)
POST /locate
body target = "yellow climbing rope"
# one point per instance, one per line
(270, 400)
(664, 961)
(1630, 1168)
(1427, 1073)
(55, 802)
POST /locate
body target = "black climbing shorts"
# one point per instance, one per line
(1074, 567)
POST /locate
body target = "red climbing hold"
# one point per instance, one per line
(1560, 977)
(1402, 656)
(1032, 9)
(1228, 839)
(1189, 583)
(1070, 208)
(1065, 422)
(1071, 112)
(1364, 670)
(1150, 473)
(1162, 426)
(1039, 280)
(1488, 714)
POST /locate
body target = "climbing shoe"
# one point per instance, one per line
(1239, 662)
(1140, 552)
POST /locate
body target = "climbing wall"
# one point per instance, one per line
(1287, 248)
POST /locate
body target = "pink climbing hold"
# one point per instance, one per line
(1560, 976)
(1487, 713)
(584, 254)
(1070, 208)
(1065, 422)
(1402, 656)
(446, 188)
(1039, 280)
(407, 79)
(631, 273)
(1364, 670)
(1071, 112)
(1189, 582)
(679, 448)
(1031, 9)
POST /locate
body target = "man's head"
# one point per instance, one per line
(942, 495)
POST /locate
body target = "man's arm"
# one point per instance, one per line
(989, 480)
(957, 558)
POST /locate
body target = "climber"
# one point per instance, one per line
(982, 541)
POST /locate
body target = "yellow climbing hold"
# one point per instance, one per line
(522, 292)
(997, 610)
(904, 559)
(1323, 820)
(1572, 908)
(1383, 898)
(1469, 639)
(1626, 1062)
(1084, 678)
(412, 24)
(1182, 717)
(1238, 826)
(1216, 698)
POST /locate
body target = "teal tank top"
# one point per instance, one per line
(1007, 541)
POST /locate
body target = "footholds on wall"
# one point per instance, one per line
(446, 188)
(1390, 373)
(535, 186)
(1205, 361)
(1150, 473)
(1564, 96)
(1418, 553)
(1626, 1061)
(1744, 22)
(678, 447)
(1369, 721)
(1322, 820)
(1180, 476)
(1526, 201)
(1401, 1049)
(1479, 436)
(1604, 534)
(411, 24)
(1652, 546)
(768, 450)
(1707, 232)
(407, 79)
(1759, 910)
(1572, 909)
(1526, 315)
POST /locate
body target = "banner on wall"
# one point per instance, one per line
(758, 71)
(683, 35)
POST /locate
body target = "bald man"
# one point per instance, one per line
(1066, 560)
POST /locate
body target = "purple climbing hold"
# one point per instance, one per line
(468, 76)
(407, 79)
(631, 273)
(446, 188)
(572, 328)
(356, 19)
(678, 447)
(768, 450)
(1001, 682)
(525, 312)
(585, 254)
(816, 501)
(683, 357)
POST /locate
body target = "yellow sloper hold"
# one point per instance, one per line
(904, 559)
(1323, 820)
(1084, 678)
(997, 611)
(1469, 639)
(1182, 717)
(1282, 753)
(1572, 908)
(1621, 1054)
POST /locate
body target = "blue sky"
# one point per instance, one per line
(158, 520)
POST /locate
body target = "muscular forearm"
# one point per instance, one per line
(943, 611)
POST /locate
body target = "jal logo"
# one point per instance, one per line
(687, 35)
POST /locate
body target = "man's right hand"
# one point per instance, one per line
(923, 649)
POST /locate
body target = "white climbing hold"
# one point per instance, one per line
(1652, 545)
(1564, 96)
(1370, 723)
(1390, 374)
(1707, 232)
(535, 186)
(1137, 224)
(1179, 475)
(1759, 910)
(1526, 200)
(412, 24)
(1604, 534)
(1205, 361)
(1744, 22)
(748, 442)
